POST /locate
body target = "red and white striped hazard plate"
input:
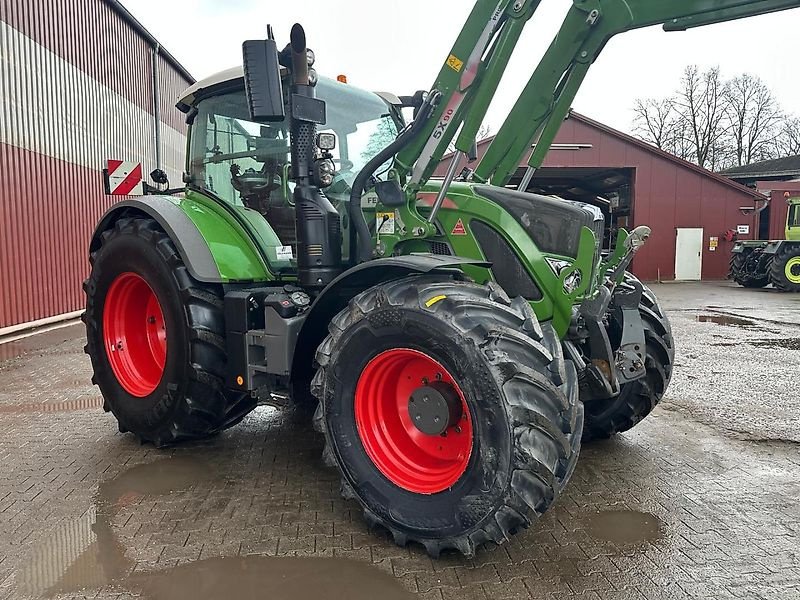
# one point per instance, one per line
(125, 178)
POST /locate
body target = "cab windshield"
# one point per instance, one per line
(247, 164)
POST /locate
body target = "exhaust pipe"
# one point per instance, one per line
(319, 236)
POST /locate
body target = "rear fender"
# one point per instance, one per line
(748, 246)
(216, 253)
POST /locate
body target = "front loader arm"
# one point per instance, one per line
(546, 99)
(466, 84)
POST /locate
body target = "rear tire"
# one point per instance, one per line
(186, 399)
(638, 398)
(785, 269)
(519, 395)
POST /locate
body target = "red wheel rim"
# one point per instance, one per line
(409, 458)
(134, 334)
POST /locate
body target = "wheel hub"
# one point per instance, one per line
(435, 408)
(134, 333)
(423, 446)
(793, 269)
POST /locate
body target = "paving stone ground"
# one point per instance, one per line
(698, 501)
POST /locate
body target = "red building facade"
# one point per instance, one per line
(81, 82)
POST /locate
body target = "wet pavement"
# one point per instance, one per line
(700, 500)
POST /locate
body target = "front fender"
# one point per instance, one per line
(352, 282)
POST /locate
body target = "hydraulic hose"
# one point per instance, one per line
(363, 236)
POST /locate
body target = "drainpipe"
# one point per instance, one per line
(154, 54)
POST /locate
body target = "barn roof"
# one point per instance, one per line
(629, 139)
(788, 166)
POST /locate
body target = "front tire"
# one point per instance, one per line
(785, 268)
(637, 399)
(155, 337)
(498, 463)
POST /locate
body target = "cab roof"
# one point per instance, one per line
(188, 97)
(235, 74)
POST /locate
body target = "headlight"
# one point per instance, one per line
(573, 280)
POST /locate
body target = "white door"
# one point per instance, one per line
(689, 254)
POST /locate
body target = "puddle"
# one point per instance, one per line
(783, 344)
(86, 553)
(726, 320)
(625, 526)
(276, 578)
(53, 407)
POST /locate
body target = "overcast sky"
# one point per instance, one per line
(399, 46)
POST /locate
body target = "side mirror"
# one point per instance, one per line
(262, 79)
(158, 176)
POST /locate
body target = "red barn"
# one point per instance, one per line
(693, 212)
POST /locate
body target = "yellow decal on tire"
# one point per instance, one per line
(434, 300)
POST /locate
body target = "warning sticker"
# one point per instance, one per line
(284, 253)
(455, 63)
(384, 222)
(458, 228)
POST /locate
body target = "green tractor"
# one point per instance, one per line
(456, 338)
(756, 264)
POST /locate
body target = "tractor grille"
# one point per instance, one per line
(440, 248)
(507, 269)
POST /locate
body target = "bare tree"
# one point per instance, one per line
(787, 142)
(700, 103)
(680, 141)
(718, 124)
(654, 121)
(753, 119)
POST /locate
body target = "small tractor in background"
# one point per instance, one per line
(756, 264)
(457, 339)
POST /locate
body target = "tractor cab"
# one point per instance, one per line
(246, 165)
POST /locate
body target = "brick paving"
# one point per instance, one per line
(676, 508)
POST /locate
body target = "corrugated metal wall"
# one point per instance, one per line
(76, 89)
